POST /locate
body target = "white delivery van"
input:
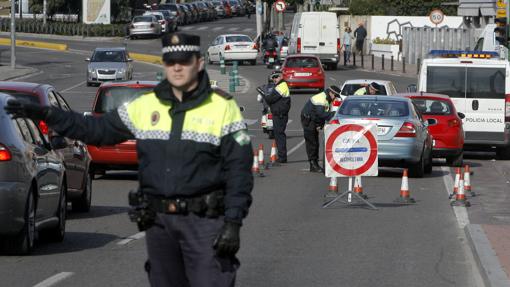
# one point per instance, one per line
(316, 33)
(478, 84)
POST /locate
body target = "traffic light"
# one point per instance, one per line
(501, 31)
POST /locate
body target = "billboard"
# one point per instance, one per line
(96, 12)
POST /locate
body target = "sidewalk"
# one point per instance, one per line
(7, 73)
(378, 66)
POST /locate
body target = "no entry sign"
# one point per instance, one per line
(351, 149)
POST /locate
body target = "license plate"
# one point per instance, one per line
(269, 123)
(382, 130)
(271, 60)
(302, 74)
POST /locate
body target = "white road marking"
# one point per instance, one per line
(217, 28)
(53, 280)
(233, 29)
(186, 28)
(460, 211)
(202, 28)
(296, 147)
(332, 79)
(250, 121)
(73, 87)
(133, 237)
(248, 30)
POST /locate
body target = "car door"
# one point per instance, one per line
(76, 155)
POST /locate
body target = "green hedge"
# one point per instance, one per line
(67, 29)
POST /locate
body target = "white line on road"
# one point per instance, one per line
(186, 28)
(296, 147)
(217, 28)
(202, 28)
(75, 86)
(332, 79)
(136, 236)
(55, 279)
(248, 30)
(460, 211)
(233, 29)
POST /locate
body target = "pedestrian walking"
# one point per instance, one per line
(279, 102)
(195, 161)
(247, 8)
(347, 44)
(315, 114)
(360, 34)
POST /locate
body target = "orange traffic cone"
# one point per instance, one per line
(261, 156)
(405, 194)
(358, 187)
(333, 187)
(456, 184)
(467, 181)
(255, 167)
(273, 157)
(460, 197)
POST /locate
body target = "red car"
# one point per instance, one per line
(74, 153)
(110, 96)
(228, 9)
(303, 71)
(447, 133)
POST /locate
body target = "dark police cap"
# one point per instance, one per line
(335, 90)
(375, 86)
(179, 46)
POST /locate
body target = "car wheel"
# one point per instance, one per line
(270, 134)
(57, 233)
(417, 169)
(23, 243)
(503, 153)
(428, 166)
(84, 202)
(455, 160)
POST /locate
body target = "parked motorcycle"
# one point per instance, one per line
(266, 121)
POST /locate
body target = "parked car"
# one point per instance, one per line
(174, 10)
(232, 47)
(204, 10)
(228, 9)
(351, 86)
(403, 137)
(110, 96)
(195, 14)
(109, 64)
(169, 22)
(32, 185)
(201, 13)
(143, 26)
(303, 71)
(74, 152)
(188, 14)
(237, 8)
(220, 9)
(447, 133)
(212, 10)
(161, 19)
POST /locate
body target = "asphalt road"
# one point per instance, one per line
(287, 239)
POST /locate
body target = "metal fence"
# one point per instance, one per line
(418, 41)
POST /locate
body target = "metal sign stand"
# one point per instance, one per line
(349, 195)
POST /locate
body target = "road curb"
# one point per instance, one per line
(63, 37)
(488, 263)
(35, 44)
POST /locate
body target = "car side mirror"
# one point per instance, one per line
(461, 115)
(431, 122)
(58, 142)
(87, 60)
(412, 88)
(130, 60)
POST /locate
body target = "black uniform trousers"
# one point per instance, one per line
(181, 253)
(311, 138)
(279, 126)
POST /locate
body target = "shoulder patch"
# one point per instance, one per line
(222, 93)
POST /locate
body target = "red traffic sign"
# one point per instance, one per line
(351, 150)
(280, 6)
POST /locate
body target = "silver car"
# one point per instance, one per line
(403, 136)
(220, 9)
(32, 186)
(109, 64)
(142, 26)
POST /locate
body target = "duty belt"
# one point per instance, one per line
(210, 205)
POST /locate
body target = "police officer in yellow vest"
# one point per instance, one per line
(314, 115)
(195, 161)
(279, 103)
(371, 89)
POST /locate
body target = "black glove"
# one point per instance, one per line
(227, 242)
(25, 109)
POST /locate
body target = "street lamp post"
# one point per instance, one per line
(13, 34)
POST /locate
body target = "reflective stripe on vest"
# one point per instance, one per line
(283, 89)
(320, 100)
(148, 118)
(361, 91)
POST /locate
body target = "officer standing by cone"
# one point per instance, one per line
(279, 103)
(195, 161)
(314, 115)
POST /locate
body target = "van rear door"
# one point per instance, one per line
(310, 33)
(328, 34)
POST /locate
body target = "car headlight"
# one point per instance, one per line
(121, 71)
(92, 71)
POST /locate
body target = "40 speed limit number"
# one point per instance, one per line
(351, 149)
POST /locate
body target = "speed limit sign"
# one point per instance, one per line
(436, 16)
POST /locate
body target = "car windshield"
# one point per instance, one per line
(113, 97)
(168, 7)
(21, 95)
(142, 19)
(231, 39)
(302, 63)
(434, 107)
(373, 108)
(108, 56)
(350, 89)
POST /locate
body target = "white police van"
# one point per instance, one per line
(478, 84)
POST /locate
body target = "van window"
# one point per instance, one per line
(450, 81)
(486, 83)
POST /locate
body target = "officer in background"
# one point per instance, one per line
(195, 161)
(314, 115)
(371, 89)
(279, 103)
